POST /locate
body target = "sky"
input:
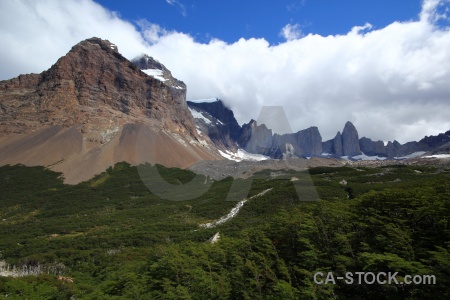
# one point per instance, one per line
(383, 65)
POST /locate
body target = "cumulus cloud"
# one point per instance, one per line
(392, 82)
(291, 32)
(35, 34)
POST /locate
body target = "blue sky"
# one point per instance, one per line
(318, 59)
(231, 20)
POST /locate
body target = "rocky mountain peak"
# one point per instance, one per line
(94, 83)
(105, 45)
(93, 100)
(349, 127)
(148, 62)
(157, 70)
(337, 144)
(350, 140)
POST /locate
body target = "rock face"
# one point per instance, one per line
(395, 149)
(256, 138)
(436, 141)
(93, 80)
(372, 148)
(350, 140)
(90, 99)
(259, 139)
(337, 144)
(345, 144)
(151, 66)
(307, 142)
(217, 121)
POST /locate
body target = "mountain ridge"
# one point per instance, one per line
(93, 99)
(257, 138)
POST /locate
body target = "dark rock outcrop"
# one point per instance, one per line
(259, 139)
(337, 144)
(436, 141)
(218, 110)
(221, 131)
(307, 142)
(372, 148)
(218, 122)
(256, 138)
(350, 140)
(346, 143)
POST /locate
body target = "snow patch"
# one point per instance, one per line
(208, 100)
(412, 155)
(198, 130)
(198, 115)
(438, 156)
(367, 157)
(242, 155)
(155, 73)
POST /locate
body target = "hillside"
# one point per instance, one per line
(110, 237)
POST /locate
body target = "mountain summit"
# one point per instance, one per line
(90, 110)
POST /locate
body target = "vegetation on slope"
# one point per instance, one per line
(111, 238)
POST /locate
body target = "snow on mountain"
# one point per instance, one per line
(412, 155)
(199, 115)
(363, 157)
(208, 100)
(438, 156)
(242, 155)
(155, 73)
(367, 157)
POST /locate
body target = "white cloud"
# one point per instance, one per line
(152, 32)
(392, 83)
(181, 6)
(291, 32)
(35, 34)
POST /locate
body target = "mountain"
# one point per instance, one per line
(94, 108)
(348, 144)
(436, 141)
(304, 143)
(345, 144)
(259, 139)
(434, 144)
(217, 121)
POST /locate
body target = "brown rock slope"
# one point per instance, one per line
(94, 108)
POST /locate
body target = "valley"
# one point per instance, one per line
(112, 238)
(113, 186)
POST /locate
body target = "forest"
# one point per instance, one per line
(112, 238)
